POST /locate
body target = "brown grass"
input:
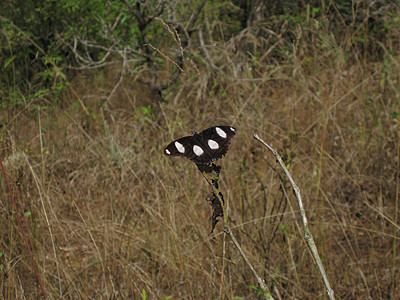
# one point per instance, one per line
(113, 218)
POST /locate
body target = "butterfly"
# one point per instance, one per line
(205, 147)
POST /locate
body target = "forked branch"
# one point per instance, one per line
(307, 233)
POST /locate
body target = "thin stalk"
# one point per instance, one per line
(228, 231)
(31, 251)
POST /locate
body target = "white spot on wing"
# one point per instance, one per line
(197, 150)
(220, 132)
(213, 144)
(167, 151)
(179, 147)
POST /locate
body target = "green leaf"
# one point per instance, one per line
(9, 61)
(144, 294)
(257, 289)
(394, 115)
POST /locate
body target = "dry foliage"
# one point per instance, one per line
(111, 217)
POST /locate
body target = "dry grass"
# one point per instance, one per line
(112, 217)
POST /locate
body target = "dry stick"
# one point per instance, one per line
(228, 230)
(260, 281)
(307, 233)
(121, 77)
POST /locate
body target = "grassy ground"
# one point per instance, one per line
(110, 217)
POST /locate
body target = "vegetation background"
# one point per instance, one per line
(92, 91)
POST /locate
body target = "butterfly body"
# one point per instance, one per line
(205, 147)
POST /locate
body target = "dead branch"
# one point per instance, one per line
(143, 51)
(307, 233)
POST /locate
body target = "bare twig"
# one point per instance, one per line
(228, 231)
(143, 50)
(194, 16)
(206, 52)
(121, 78)
(260, 281)
(165, 56)
(307, 233)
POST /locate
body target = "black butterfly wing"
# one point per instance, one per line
(215, 133)
(222, 135)
(205, 147)
(181, 147)
(186, 147)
